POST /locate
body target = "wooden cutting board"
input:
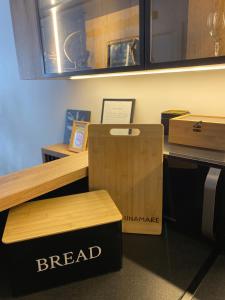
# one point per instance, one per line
(130, 168)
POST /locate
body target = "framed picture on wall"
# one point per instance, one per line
(74, 115)
(117, 111)
(79, 136)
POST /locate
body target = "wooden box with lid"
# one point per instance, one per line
(169, 114)
(59, 240)
(199, 131)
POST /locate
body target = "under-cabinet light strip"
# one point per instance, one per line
(158, 71)
(56, 37)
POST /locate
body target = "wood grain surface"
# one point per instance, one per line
(101, 30)
(58, 215)
(130, 169)
(25, 185)
(203, 118)
(210, 134)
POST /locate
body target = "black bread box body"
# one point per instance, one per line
(56, 259)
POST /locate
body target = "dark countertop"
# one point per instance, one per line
(154, 267)
(208, 156)
(213, 287)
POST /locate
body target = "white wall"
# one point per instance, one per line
(32, 112)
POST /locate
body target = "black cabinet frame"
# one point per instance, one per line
(145, 52)
(140, 67)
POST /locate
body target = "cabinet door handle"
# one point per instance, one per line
(209, 202)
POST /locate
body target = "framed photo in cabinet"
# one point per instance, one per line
(124, 52)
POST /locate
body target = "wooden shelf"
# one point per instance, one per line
(25, 185)
(56, 151)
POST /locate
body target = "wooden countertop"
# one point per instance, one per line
(57, 150)
(27, 184)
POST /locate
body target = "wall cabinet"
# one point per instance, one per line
(89, 35)
(187, 32)
(61, 38)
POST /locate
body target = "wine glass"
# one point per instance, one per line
(216, 25)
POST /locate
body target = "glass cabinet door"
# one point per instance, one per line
(83, 35)
(187, 29)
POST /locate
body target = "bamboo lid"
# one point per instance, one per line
(58, 215)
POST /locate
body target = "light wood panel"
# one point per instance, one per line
(203, 118)
(27, 38)
(101, 30)
(59, 215)
(25, 185)
(199, 131)
(199, 42)
(130, 168)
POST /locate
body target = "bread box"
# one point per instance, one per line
(55, 241)
(198, 131)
